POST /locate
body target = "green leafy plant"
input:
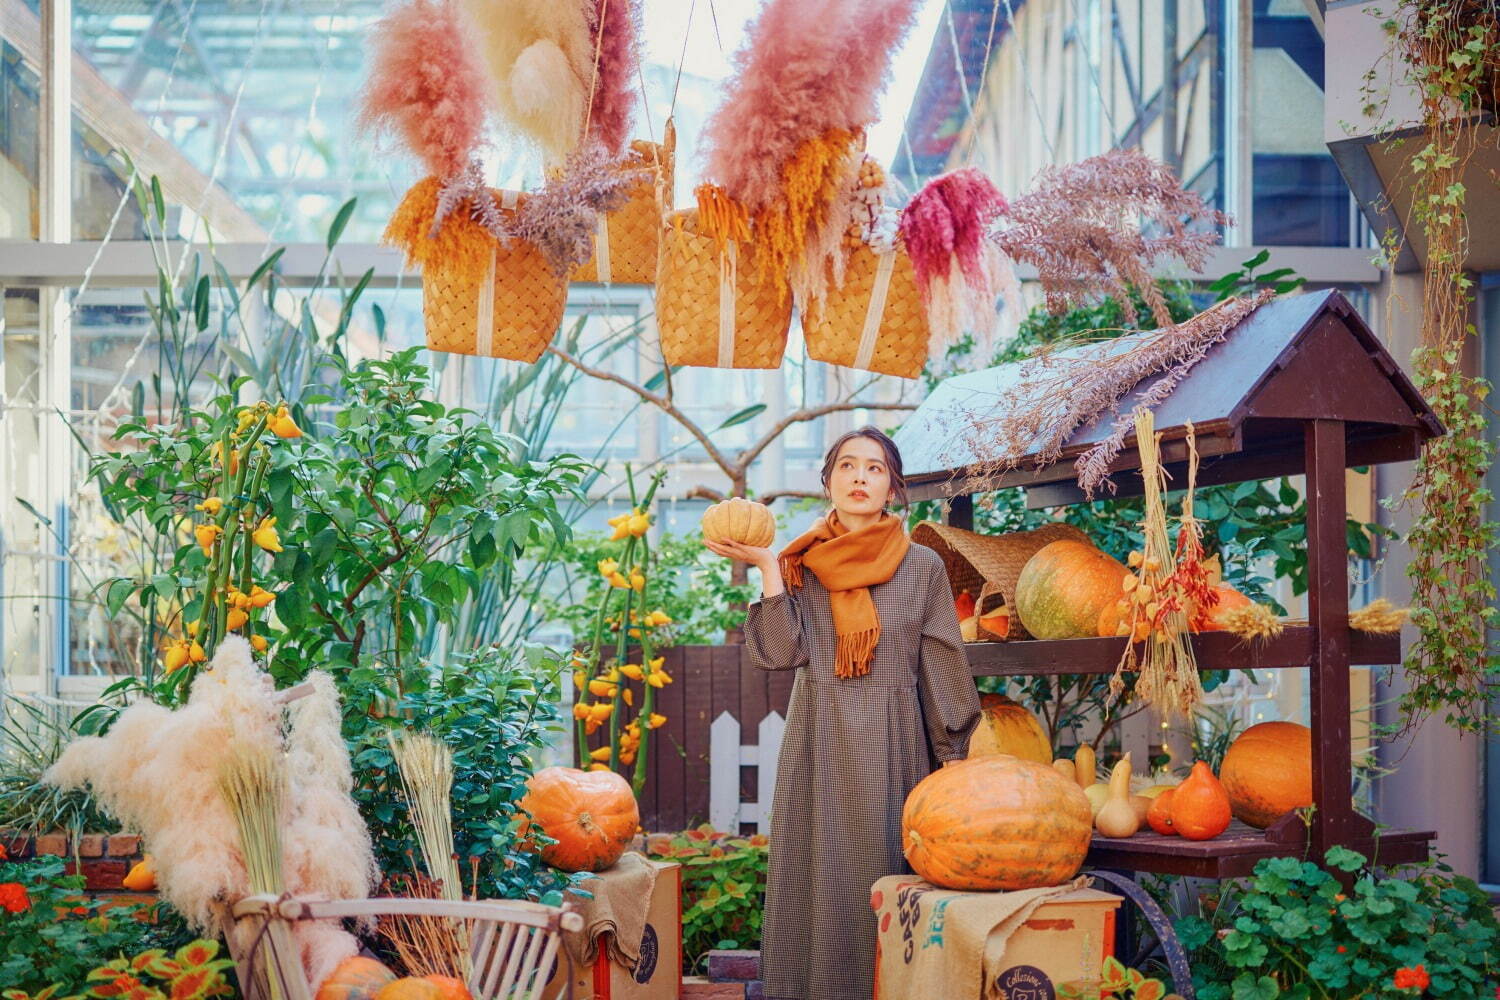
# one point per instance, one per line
(30, 742)
(54, 934)
(1116, 981)
(1295, 931)
(723, 889)
(192, 972)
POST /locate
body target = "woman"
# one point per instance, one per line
(883, 694)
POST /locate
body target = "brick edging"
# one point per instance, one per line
(105, 858)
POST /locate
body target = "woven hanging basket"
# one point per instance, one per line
(479, 296)
(988, 566)
(875, 321)
(714, 309)
(628, 239)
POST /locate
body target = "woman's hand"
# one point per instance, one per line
(762, 559)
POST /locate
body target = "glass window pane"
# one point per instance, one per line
(18, 147)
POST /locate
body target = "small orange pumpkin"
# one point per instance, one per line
(450, 987)
(1200, 806)
(591, 814)
(1206, 619)
(1267, 772)
(409, 988)
(1159, 816)
(356, 978)
(1006, 727)
(740, 520)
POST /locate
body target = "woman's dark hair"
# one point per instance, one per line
(892, 457)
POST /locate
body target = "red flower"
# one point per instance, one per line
(13, 897)
(1411, 979)
(1342, 949)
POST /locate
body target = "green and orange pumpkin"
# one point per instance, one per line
(1007, 727)
(996, 823)
(356, 978)
(1065, 588)
(1267, 772)
(591, 814)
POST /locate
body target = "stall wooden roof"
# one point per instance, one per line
(1296, 358)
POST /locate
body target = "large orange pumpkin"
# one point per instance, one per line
(1006, 727)
(1200, 808)
(591, 814)
(450, 987)
(1267, 772)
(1065, 587)
(356, 978)
(996, 822)
(409, 988)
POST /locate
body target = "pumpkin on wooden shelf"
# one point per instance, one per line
(963, 605)
(739, 520)
(1065, 587)
(995, 624)
(1200, 806)
(1159, 816)
(1117, 817)
(1267, 772)
(409, 988)
(450, 987)
(996, 823)
(356, 978)
(1206, 619)
(591, 814)
(1007, 727)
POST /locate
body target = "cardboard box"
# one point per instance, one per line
(659, 974)
(1065, 940)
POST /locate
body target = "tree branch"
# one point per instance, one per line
(662, 403)
(703, 493)
(774, 495)
(809, 413)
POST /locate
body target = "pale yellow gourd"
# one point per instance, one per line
(1098, 794)
(1154, 790)
(739, 520)
(1064, 767)
(1142, 806)
(1117, 817)
(1086, 764)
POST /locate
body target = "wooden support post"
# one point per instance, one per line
(1328, 613)
(961, 512)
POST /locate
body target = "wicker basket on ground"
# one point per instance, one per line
(875, 321)
(714, 307)
(479, 296)
(628, 239)
(987, 566)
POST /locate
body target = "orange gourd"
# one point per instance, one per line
(591, 814)
(1064, 589)
(1267, 772)
(409, 988)
(356, 978)
(450, 988)
(996, 823)
(963, 605)
(1229, 599)
(142, 875)
(1006, 727)
(739, 520)
(1159, 816)
(1200, 806)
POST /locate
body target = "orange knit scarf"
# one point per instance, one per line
(847, 564)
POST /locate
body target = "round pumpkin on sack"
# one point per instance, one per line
(1065, 588)
(591, 814)
(1200, 808)
(996, 822)
(409, 988)
(1006, 727)
(356, 978)
(1267, 772)
(740, 520)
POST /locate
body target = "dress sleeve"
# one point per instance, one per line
(950, 701)
(773, 633)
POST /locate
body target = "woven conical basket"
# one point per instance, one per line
(626, 247)
(479, 296)
(987, 566)
(875, 321)
(714, 309)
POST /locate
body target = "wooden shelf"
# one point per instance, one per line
(1234, 853)
(1294, 647)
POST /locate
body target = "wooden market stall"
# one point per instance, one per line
(1300, 386)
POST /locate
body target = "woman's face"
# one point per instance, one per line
(860, 482)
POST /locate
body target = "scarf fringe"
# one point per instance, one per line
(791, 571)
(854, 652)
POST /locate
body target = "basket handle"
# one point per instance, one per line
(1182, 976)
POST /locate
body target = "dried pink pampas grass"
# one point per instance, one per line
(617, 56)
(806, 68)
(425, 84)
(1095, 227)
(563, 217)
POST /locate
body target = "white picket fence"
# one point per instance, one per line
(726, 755)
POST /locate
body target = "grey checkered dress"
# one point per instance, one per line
(853, 749)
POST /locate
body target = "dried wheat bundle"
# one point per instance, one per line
(1251, 622)
(253, 783)
(1168, 671)
(424, 945)
(1098, 226)
(1379, 617)
(425, 764)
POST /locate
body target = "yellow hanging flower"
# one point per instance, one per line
(618, 581)
(247, 417)
(581, 711)
(236, 619)
(601, 754)
(598, 767)
(638, 524)
(607, 567)
(601, 688)
(627, 757)
(635, 633)
(196, 653)
(601, 711)
(191, 628)
(659, 678)
(265, 535)
(591, 727)
(207, 534)
(637, 580)
(259, 597)
(258, 643)
(211, 506)
(656, 721)
(578, 679)
(633, 671)
(658, 617)
(176, 656)
(217, 453)
(628, 696)
(657, 663)
(282, 424)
